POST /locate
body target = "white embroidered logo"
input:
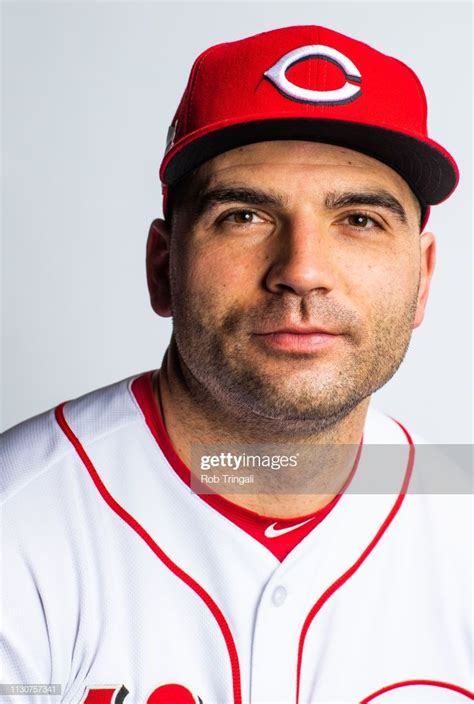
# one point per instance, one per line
(272, 532)
(277, 75)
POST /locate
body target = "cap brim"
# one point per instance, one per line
(428, 168)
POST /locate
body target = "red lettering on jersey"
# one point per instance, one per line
(105, 695)
(165, 694)
(172, 694)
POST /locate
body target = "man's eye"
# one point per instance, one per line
(242, 217)
(362, 221)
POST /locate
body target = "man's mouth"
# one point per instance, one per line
(298, 338)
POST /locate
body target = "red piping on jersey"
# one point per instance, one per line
(344, 577)
(408, 683)
(177, 571)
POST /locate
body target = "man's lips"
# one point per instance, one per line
(297, 330)
(298, 339)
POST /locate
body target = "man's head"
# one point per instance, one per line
(271, 238)
(292, 234)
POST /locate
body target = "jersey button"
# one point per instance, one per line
(279, 596)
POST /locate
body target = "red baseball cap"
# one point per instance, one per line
(308, 83)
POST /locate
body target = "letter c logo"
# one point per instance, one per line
(349, 92)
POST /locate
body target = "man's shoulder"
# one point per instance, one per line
(38, 444)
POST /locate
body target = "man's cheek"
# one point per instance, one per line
(223, 280)
(384, 282)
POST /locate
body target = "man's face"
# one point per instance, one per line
(293, 234)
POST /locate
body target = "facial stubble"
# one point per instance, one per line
(217, 356)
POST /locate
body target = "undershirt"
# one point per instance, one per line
(279, 535)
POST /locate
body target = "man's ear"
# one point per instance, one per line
(427, 265)
(157, 267)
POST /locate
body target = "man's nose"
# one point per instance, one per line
(304, 258)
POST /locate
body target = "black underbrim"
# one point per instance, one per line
(429, 173)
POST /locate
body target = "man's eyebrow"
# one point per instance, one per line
(239, 194)
(380, 198)
(255, 196)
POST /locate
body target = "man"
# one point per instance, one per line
(297, 180)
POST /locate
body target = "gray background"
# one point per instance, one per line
(89, 91)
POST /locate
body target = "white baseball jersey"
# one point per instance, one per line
(122, 585)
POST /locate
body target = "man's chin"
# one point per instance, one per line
(297, 421)
(301, 409)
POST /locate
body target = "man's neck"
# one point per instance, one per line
(190, 418)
